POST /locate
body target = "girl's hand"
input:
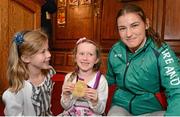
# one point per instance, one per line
(67, 88)
(92, 95)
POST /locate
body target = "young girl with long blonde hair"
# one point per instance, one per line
(29, 75)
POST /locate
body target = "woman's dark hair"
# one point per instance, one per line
(132, 8)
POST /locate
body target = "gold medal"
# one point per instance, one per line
(79, 89)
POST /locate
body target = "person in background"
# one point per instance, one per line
(29, 75)
(90, 99)
(48, 8)
(140, 64)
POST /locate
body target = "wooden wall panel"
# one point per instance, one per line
(23, 15)
(4, 44)
(62, 61)
(79, 23)
(172, 24)
(70, 59)
(59, 59)
(172, 20)
(104, 63)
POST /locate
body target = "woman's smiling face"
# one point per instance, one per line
(131, 29)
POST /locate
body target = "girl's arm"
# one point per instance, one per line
(102, 92)
(13, 103)
(67, 99)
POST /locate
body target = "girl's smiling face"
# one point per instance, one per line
(86, 56)
(41, 59)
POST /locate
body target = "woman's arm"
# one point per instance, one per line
(170, 79)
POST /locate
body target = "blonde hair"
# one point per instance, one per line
(96, 66)
(31, 42)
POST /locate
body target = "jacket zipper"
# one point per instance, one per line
(127, 66)
(124, 84)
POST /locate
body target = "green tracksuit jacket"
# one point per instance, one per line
(138, 76)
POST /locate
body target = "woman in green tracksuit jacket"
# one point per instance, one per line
(140, 65)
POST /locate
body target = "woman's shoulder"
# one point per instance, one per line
(118, 44)
(118, 47)
(164, 46)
